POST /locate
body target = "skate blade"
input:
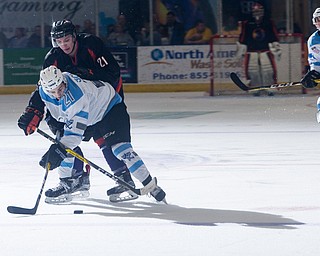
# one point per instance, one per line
(122, 197)
(78, 195)
(59, 199)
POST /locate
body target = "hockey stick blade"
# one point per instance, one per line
(235, 78)
(21, 210)
(32, 211)
(139, 191)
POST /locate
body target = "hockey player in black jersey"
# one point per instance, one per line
(86, 56)
(259, 45)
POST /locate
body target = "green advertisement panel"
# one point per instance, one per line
(22, 66)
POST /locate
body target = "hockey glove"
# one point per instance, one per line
(54, 125)
(54, 156)
(308, 81)
(275, 49)
(30, 120)
(241, 50)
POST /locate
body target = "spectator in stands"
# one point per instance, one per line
(173, 31)
(19, 40)
(87, 27)
(34, 41)
(122, 21)
(3, 40)
(110, 29)
(119, 37)
(200, 34)
(231, 27)
(143, 37)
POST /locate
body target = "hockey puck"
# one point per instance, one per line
(78, 212)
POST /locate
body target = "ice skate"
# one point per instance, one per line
(69, 189)
(121, 193)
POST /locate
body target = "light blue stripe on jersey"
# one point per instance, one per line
(313, 48)
(314, 39)
(72, 94)
(117, 151)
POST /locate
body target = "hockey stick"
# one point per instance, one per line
(32, 211)
(142, 191)
(235, 78)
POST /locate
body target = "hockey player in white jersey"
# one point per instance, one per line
(313, 44)
(87, 107)
(310, 79)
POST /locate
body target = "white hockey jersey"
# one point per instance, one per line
(314, 51)
(84, 103)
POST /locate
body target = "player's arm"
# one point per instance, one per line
(242, 44)
(33, 114)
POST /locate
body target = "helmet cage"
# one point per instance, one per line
(257, 11)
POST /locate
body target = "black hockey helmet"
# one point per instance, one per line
(62, 28)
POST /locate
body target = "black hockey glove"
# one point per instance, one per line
(30, 120)
(54, 125)
(54, 156)
(84, 73)
(308, 81)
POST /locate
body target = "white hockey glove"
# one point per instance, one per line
(275, 49)
(241, 50)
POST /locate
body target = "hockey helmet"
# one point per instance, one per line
(316, 16)
(61, 28)
(50, 78)
(257, 10)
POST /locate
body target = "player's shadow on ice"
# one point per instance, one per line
(187, 216)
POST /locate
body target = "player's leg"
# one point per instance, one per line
(117, 166)
(74, 182)
(118, 130)
(136, 166)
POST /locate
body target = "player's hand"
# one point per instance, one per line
(308, 81)
(30, 120)
(241, 50)
(54, 156)
(275, 49)
(54, 125)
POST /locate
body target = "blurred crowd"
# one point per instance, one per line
(120, 33)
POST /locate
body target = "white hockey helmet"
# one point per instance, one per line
(316, 15)
(50, 78)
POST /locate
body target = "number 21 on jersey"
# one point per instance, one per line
(102, 61)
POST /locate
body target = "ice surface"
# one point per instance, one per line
(241, 175)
